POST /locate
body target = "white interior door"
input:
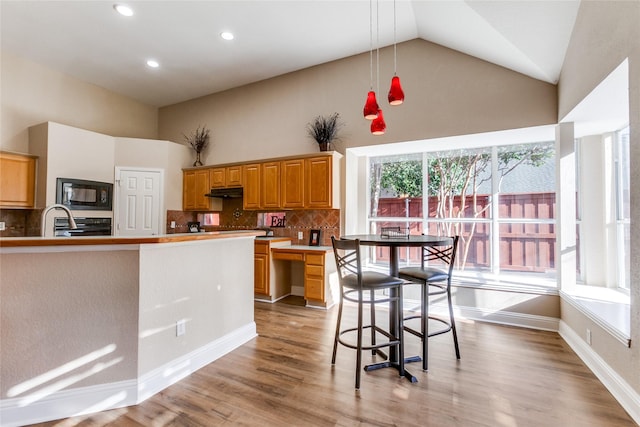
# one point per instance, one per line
(139, 202)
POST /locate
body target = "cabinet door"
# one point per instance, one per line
(202, 188)
(17, 180)
(293, 183)
(195, 184)
(188, 190)
(251, 191)
(314, 282)
(318, 186)
(261, 268)
(217, 177)
(234, 176)
(270, 188)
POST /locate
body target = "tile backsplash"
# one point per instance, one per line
(20, 222)
(233, 217)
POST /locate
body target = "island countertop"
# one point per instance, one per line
(12, 242)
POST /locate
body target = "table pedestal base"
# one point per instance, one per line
(395, 365)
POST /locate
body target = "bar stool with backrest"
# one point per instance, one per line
(434, 276)
(360, 287)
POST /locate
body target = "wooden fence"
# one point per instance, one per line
(523, 246)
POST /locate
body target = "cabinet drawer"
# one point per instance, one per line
(314, 289)
(261, 248)
(314, 270)
(315, 259)
(288, 256)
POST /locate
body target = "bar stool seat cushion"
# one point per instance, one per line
(371, 280)
(426, 274)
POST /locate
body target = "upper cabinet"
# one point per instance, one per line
(292, 183)
(218, 177)
(270, 185)
(251, 189)
(17, 180)
(318, 183)
(223, 177)
(195, 185)
(301, 182)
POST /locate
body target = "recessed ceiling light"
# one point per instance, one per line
(123, 9)
(226, 35)
(153, 63)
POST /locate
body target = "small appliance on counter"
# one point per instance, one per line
(194, 227)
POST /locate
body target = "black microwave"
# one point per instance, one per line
(80, 194)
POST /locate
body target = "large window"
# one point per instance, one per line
(621, 160)
(499, 200)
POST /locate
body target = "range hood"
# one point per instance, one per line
(225, 193)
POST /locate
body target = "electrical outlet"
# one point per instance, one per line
(173, 224)
(299, 235)
(2, 226)
(588, 336)
(181, 327)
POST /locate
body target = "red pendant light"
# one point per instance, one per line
(378, 126)
(371, 107)
(396, 94)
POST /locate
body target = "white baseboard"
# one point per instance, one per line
(22, 411)
(86, 400)
(619, 388)
(502, 317)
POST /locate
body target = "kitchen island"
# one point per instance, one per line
(93, 323)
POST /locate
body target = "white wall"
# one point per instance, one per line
(33, 94)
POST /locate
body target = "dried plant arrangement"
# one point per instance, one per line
(324, 130)
(198, 140)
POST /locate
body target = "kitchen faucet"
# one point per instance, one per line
(43, 220)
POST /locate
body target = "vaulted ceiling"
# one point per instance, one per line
(90, 41)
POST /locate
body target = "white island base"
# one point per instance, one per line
(90, 327)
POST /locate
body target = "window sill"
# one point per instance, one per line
(608, 308)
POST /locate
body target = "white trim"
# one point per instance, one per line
(85, 400)
(590, 311)
(68, 403)
(619, 388)
(501, 317)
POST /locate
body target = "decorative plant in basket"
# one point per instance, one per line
(198, 140)
(324, 130)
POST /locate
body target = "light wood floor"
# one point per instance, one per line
(507, 376)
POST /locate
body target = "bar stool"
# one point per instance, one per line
(433, 281)
(360, 286)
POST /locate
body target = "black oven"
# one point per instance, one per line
(80, 194)
(86, 227)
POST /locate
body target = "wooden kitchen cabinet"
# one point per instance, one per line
(270, 185)
(251, 188)
(318, 183)
(195, 184)
(234, 176)
(261, 267)
(17, 180)
(314, 283)
(218, 177)
(292, 183)
(224, 177)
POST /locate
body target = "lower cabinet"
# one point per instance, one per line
(261, 267)
(314, 277)
(319, 266)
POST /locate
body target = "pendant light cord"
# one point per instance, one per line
(371, 43)
(394, 38)
(378, 44)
